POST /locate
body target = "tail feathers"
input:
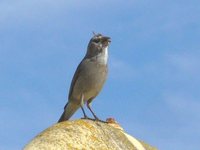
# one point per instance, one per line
(69, 110)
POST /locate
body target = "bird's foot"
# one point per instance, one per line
(96, 119)
(87, 118)
(99, 120)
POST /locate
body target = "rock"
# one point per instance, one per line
(86, 135)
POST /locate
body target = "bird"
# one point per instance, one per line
(89, 77)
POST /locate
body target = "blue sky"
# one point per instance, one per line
(153, 88)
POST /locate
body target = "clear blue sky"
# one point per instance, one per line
(153, 88)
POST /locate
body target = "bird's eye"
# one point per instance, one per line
(96, 40)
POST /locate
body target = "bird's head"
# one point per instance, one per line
(97, 44)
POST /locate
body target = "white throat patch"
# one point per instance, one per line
(103, 57)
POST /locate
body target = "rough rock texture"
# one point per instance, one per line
(86, 135)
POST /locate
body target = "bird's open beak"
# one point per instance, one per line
(106, 38)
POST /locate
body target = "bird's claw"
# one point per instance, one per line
(96, 119)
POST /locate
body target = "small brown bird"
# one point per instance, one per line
(89, 77)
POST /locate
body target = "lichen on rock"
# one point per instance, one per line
(85, 135)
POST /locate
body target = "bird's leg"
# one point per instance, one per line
(82, 104)
(96, 118)
(88, 106)
(85, 116)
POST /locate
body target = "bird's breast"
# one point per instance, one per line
(90, 80)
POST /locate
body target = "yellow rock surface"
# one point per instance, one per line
(85, 135)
